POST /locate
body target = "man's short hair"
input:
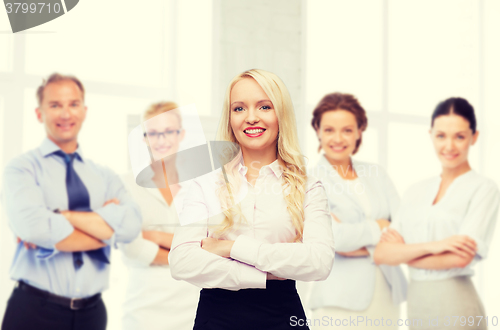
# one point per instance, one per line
(54, 78)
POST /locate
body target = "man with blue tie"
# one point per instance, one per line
(67, 212)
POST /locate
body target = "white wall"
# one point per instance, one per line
(398, 56)
(260, 34)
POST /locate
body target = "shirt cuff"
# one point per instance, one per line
(482, 249)
(113, 215)
(371, 252)
(61, 228)
(43, 253)
(147, 253)
(111, 241)
(253, 278)
(245, 249)
(375, 231)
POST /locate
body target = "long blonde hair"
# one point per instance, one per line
(288, 152)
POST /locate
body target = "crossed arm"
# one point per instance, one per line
(89, 231)
(360, 252)
(164, 241)
(35, 224)
(453, 252)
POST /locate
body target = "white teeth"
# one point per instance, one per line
(254, 131)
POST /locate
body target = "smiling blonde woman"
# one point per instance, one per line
(246, 256)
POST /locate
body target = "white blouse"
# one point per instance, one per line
(262, 242)
(357, 204)
(156, 215)
(154, 300)
(361, 195)
(469, 207)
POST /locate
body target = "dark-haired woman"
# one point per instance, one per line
(444, 227)
(362, 200)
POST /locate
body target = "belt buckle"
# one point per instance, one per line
(71, 305)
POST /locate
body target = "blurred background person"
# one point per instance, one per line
(154, 300)
(444, 227)
(66, 212)
(362, 200)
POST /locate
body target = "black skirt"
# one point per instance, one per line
(276, 307)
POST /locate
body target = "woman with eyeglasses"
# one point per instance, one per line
(154, 300)
(259, 225)
(444, 227)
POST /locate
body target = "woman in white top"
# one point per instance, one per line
(362, 200)
(444, 227)
(247, 254)
(154, 300)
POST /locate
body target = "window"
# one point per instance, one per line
(81, 46)
(344, 50)
(6, 46)
(414, 54)
(432, 54)
(144, 53)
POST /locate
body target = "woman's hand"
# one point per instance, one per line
(383, 223)
(362, 252)
(152, 235)
(461, 245)
(219, 247)
(274, 277)
(112, 201)
(159, 238)
(390, 235)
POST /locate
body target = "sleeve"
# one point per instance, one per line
(140, 252)
(481, 217)
(396, 220)
(404, 206)
(125, 218)
(393, 201)
(189, 262)
(28, 216)
(310, 260)
(392, 194)
(353, 236)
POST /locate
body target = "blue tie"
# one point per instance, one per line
(78, 200)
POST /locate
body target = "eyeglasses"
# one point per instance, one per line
(169, 134)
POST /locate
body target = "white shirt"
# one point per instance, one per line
(357, 204)
(262, 244)
(360, 194)
(469, 207)
(154, 300)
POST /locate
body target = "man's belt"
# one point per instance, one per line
(71, 303)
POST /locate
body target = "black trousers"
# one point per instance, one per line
(26, 311)
(275, 308)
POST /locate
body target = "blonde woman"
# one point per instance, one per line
(154, 300)
(246, 256)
